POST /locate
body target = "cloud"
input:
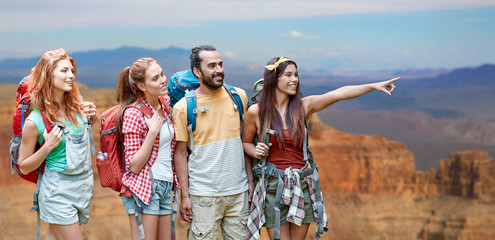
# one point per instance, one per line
(230, 54)
(11, 52)
(296, 34)
(49, 14)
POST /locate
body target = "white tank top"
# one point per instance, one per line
(162, 168)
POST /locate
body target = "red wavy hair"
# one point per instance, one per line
(41, 84)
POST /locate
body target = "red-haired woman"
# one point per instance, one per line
(282, 110)
(67, 182)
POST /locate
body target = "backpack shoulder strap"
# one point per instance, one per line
(305, 143)
(142, 108)
(166, 102)
(191, 110)
(238, 105)
(48, 124)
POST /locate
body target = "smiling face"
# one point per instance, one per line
(155, 83)
(63, 76)
(288, 80)
(211, 69)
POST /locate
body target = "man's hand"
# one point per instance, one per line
(186, 209)
(250, 190)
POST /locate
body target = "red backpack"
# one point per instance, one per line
(23, 104)
(110, 161)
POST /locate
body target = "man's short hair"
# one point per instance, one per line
(195, 59)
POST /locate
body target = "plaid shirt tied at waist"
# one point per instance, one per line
(292, 196)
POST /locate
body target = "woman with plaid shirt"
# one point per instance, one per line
(149, 144)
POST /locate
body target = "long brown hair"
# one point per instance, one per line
(40, 85)
(294, 116)
(127, 89)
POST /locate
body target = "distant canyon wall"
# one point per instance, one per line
(371, 164)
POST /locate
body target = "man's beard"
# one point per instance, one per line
(209, 82)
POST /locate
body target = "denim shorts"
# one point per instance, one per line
(160, 202)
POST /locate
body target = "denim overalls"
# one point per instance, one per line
(65, 196)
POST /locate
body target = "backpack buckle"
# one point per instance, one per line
(271, 171)
(272, 132)
(59, 124)
(199, 110)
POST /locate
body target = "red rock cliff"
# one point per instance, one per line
(372, 164)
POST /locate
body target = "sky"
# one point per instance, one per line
(330, 35)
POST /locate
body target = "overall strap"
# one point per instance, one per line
(91, 139)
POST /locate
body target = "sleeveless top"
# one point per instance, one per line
(291, 157)
(56, 158)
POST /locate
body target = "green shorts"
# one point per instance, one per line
(284, 210)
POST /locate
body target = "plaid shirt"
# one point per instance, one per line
(292, 195)
(311, 188)
(256, 217)
(135, 130)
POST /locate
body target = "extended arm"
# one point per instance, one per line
(29, 160)
(316, 103)
(181, 169)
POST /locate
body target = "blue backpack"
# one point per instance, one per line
(182, 84)
(179, 83)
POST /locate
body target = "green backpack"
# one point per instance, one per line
(258, 86)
